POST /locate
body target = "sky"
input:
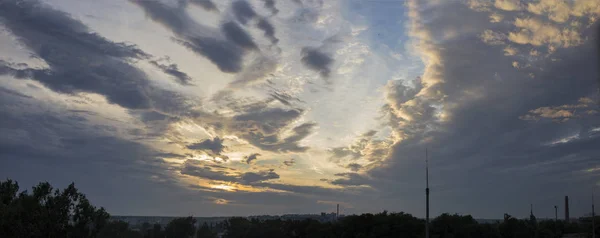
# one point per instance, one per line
(248, 107)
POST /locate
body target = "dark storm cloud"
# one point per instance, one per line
(350, 179)
(219, 173)
(243, 11)
(215, 145)
(270, 4)
(206, 4)
(268, 29)
(40, 143)
(173, 70)
(239, 36)
(199, 170)
(252, 177)
(78, 61)
(212, 147)
(317, 61)
(483, 146)
(354, 167)
(200, 39)
(251, 157)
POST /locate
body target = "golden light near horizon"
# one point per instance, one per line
(224, 187)
(221, 201)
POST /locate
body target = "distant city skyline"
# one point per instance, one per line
(242, 107)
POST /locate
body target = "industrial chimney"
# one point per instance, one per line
(567, 209)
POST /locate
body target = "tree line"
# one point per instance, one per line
(48, 212)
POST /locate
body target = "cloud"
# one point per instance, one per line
(206, 170)
(215, 145)
(270, 4)
(315, 190)
(510, 51)
(268, 29)
(495, 17)
(279, 143)
(264, 127)
(317, 61)
(536, 32)
(365, 146)
(493, 38)
(41, 140)
(354, 167)
(206, 4)
(221, 201)
(13, 92)
(561, 11)
(201, 39)
(251, 157)
(78, 61)
(283, 97)
(256, 72)
(267, 121)
(200, 170)
(584, 107)
(252, 177)
(350, 179)
(508, 5)
(236, 34)
(243, 11)
(289, 162)
(456, 111)
(173, 70)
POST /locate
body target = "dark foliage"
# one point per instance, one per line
(49, 212)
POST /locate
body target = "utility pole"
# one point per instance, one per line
(593, 217)
(426, 194)
(555, 213)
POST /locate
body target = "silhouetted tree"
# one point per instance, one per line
(48, 212)
(118, 229)
(181, 228)
(154, 232)
(205, 232)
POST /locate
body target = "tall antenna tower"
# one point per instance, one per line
(426, 194)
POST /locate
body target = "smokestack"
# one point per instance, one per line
(337, 213)
(567, 209)
(555, 213)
